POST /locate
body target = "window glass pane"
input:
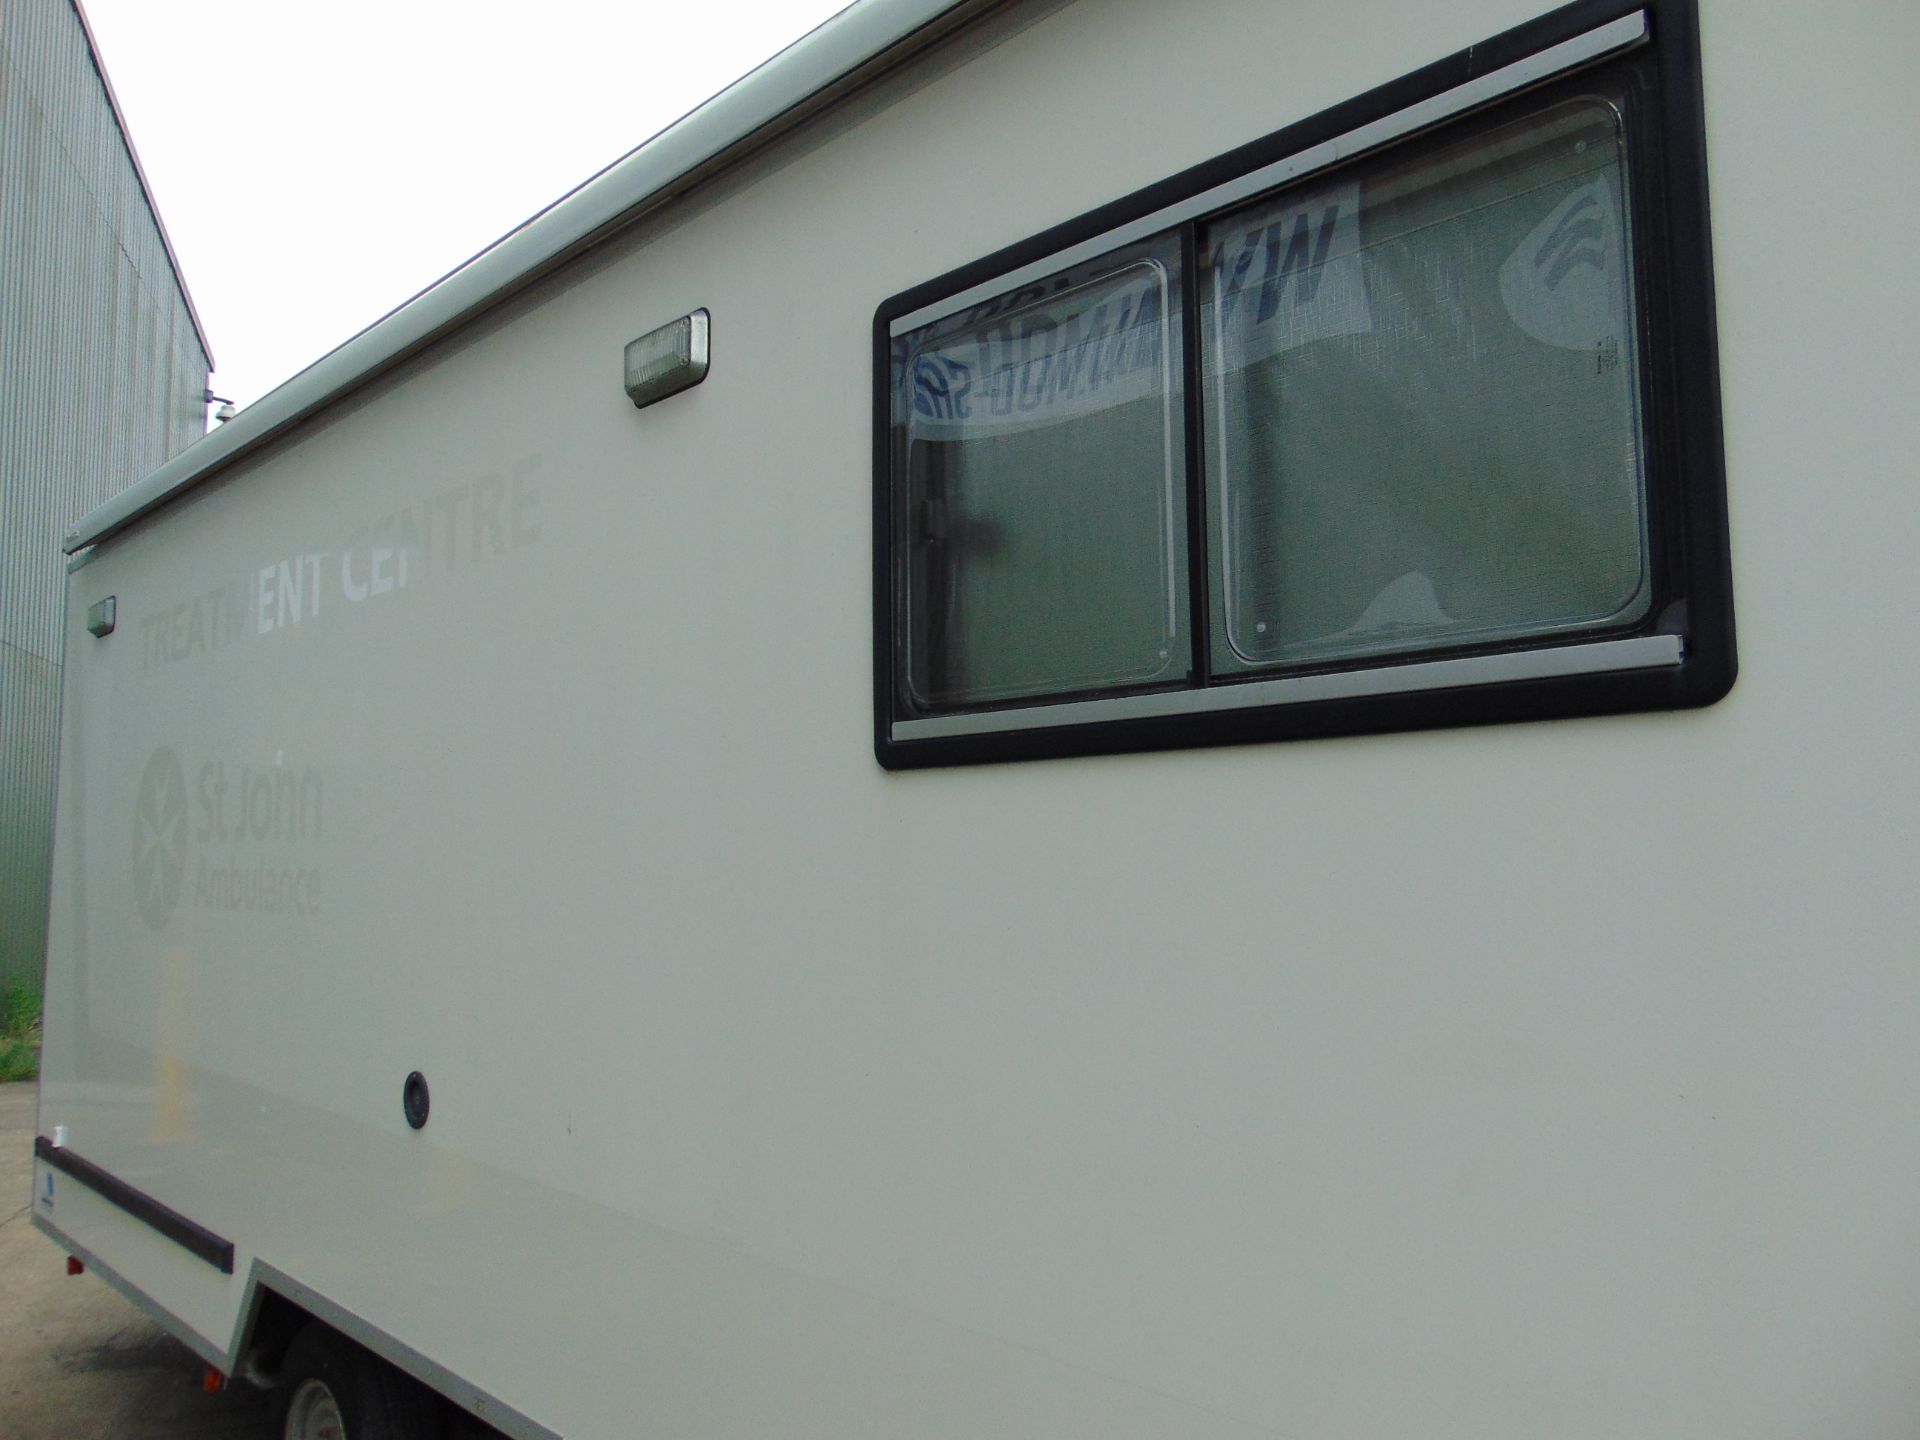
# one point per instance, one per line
(1042, 490)
(1421, 400)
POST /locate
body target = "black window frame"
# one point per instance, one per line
(1685, 469)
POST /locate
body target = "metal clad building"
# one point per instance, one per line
(103, 373)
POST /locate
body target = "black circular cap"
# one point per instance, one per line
(415, 1100)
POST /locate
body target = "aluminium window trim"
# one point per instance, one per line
(1602, 43)
(1639, 652)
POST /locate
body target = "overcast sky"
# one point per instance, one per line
(315, 165)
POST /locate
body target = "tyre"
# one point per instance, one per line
(332, 1389)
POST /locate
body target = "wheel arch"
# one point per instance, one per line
(278, 1307)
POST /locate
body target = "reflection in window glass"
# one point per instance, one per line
(1043, 519)
(1420, 399)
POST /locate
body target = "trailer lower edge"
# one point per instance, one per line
(135, 1296)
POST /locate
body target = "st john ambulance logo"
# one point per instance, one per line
(160, 837)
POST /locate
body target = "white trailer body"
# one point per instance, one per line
(1494, 1080)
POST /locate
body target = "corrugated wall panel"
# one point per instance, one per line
(101, 378)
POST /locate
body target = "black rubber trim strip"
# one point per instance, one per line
(169, 1222)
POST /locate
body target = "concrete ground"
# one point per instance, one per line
(77, 1361)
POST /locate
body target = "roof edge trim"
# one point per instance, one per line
(841, 48)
